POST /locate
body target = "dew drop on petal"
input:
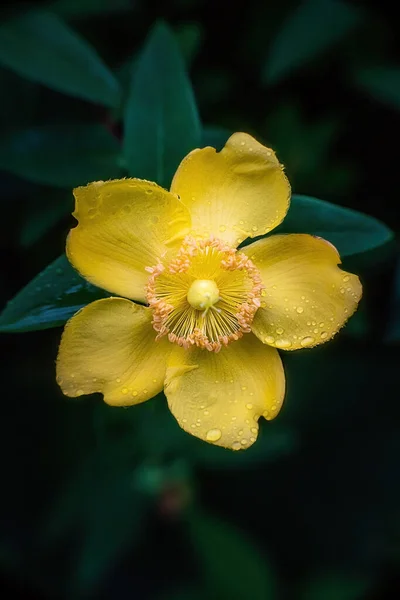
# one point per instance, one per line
(282, 343)
(213, 435)
(299, 309)
(236, 446)
(307, 341)
(249, 406)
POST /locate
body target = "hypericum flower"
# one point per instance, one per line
(211, 315)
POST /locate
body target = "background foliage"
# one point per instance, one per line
(109, 503)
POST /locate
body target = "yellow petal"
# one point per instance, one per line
(123, 226)
(220, 397)
(307, 297)
(237, 193)
(109, 347)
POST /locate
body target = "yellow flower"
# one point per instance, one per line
(210, 316)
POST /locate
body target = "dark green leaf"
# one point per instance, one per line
(63, 155)
(232, 566)
(49, 300)
(161, 120)
(310, 30)
(41, 47)
(350, 231)
(382, 83)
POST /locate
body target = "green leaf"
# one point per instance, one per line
(309, 31)
(63, 155)
(232, 566)
(382, 83)
(49, 300)
(40, 46)
(161, 120)
(350, 231)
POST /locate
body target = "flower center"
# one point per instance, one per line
(203, 294)
(206, 296)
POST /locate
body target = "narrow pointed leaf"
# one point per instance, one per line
(350, 231)
(40, 46)
(49, 300)
(161, 119)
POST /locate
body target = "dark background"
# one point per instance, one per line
(105, 503)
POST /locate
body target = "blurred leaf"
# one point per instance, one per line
(101, 504)
(336, 586)
(232, 567)
(63, 155)
(41, 217)
(382, 83)
(40, 46)
(161, 120)
(350, 231)
(87, 8)
(214, 136)
(310, 30)
(393, 327)
(49, 300)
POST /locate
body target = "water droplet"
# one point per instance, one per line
(254, 430)
(307, 341)
(206, 412)
(321, 324)
(346, 278)
(282, 343)
(236, 446)
(92, 213)
(79, 392)
(315, 330)
(299, 309)
(269, 339)
(279, 331)
(213, 435)
(118, 380)
(148, 191)
(244, 442)
(244, 388)
(324, 335)
(234, 418)
(249, 406)
(252, 439)
(134, 393)
(303, 297)
(222, 228)
(124, 390)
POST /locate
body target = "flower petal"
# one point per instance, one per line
(237, 193)
(123, 226)
(109, 347)
(307, 298)
(220, 397)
